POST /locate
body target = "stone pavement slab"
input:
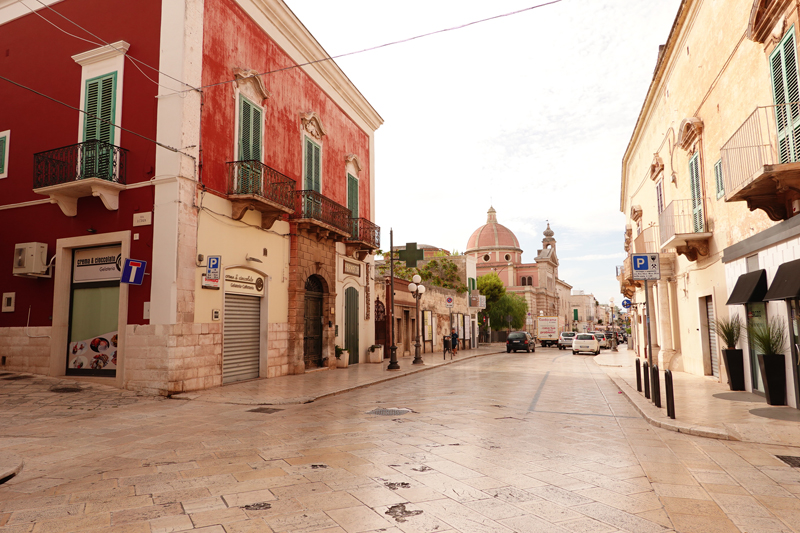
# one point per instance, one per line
(705, 407)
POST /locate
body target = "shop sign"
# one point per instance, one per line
(352, 269)
(243, 281)
(97, 264)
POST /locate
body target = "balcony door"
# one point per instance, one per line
(786, 92)
(698, 222)
(250, 147)
(97, 160)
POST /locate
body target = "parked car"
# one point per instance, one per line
(565, 340)
(585, 342)
(520, 340)
(602, 339)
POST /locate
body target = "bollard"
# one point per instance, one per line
(656, 386)
(638, 375)
(670, 394)
(646, 378)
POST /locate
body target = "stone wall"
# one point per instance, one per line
(26, 353)
(278, 350)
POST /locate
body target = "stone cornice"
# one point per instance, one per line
(304, 44)
(102, 53)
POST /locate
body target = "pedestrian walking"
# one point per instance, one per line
(454, 341)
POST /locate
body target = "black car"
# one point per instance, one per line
(520, 340)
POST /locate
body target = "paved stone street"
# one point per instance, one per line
(541, 442)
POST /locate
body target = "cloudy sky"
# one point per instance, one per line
(530, 113)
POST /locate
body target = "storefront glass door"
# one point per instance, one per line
(756, 315)
(794, 338)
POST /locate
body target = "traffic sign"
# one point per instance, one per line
(213, 269)
(626, 303)
(449, 302)
(133, 271)
(646, 267)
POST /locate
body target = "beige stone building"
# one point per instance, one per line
(710, 184)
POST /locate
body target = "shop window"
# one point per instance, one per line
(5, 139)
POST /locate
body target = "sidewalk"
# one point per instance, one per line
(706, 408)
(318, 384)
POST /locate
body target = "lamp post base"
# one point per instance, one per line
(417, 357)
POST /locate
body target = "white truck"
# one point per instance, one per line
(547, 329)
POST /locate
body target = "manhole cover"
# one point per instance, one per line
(66, 389)
(14, 378)
(389, 412)
(790, 460)
(265, 410)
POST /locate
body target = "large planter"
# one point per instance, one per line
(343, 360)
(734, 366)
(376, 355)
(773, 372)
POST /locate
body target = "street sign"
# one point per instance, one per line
(626, 303)
(213, 268)
(133, 271)
(449, 302)
(646, 267)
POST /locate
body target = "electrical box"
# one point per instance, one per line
(30, 259)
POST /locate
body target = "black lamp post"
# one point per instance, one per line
(417, 291)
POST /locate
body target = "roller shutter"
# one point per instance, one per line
(241, 343)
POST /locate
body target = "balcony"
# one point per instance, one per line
(761, 161)
(254, 185)
(322, 216)
(647, 241)
(91, 168)
(683, 227)
(365, 237)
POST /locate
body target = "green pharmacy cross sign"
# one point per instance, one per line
(411, 255)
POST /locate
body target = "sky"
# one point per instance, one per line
(529, 113)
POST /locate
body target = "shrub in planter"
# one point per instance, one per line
(729, 331)
(769, 341)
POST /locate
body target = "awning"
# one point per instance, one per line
(750, 287)
(786, 284)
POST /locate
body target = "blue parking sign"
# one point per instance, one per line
(646, 266)
(133, 271)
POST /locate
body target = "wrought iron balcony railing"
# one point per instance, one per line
(362, 230)
(681, 217)
(312, 205)
(257, 179)
(90, 159)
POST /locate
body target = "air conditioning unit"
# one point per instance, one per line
(30, 259)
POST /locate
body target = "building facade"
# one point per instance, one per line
(709, 184)
(240, 181)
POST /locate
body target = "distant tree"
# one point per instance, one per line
(491, 286)
(511, 306)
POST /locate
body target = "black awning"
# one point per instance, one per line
(786, 284)
(750, 287)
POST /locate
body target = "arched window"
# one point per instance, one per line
(524, 281)
(530, 281)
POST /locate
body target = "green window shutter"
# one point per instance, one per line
(313, 166)
(574, 314)
(3, 154)
(718, 178)
(250, 135)
(697, 195)
(786, 90)
(101, 95)
(352, 195)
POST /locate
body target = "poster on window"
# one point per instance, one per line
(427, 325)
(467, 328)
(96, 353)
(460, 324)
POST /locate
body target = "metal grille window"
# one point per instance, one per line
(718, 179)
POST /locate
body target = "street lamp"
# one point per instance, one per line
(417, 291)
(613, 327)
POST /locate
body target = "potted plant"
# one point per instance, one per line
(342, 356)
(769, 341)
(375, 353)
(729, 331)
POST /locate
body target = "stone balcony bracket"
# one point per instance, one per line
(66, 194)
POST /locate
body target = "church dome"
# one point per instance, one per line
(492, 236)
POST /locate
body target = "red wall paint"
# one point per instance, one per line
(232, 39)
(36, 54)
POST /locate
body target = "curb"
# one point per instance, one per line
(654, 415)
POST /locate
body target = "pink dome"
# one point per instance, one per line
(492, 236)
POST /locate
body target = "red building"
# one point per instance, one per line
(250, 196)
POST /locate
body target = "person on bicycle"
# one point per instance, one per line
(454, 341)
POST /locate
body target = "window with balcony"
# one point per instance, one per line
(312, 167)
(697, 193)
(718, 179)
(352, 195)
(786, 90)
(660, 195)
(5, 139)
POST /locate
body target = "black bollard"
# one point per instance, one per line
(646, 374)
(670, 394)
(638, 375)
(656, 387)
